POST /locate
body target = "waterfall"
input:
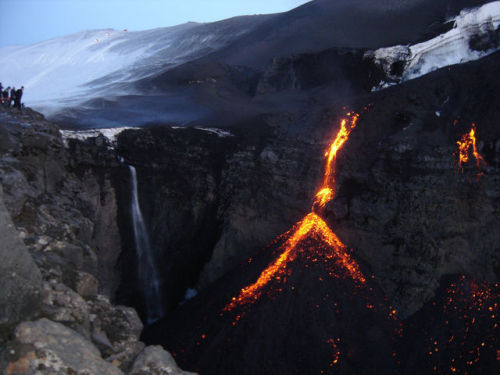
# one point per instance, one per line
(146, 267)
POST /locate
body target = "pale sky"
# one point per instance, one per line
(31, 21)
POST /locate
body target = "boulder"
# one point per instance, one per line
(44, 347)
(116, 331)
(62, 304)
(119, 322)
(154, 360)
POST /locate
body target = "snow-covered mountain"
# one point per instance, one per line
(184, 73)
(70, 70)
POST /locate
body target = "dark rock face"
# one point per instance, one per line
(205, 201)
(20, 278)
(342, 68)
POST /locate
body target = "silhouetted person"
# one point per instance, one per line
(17, 100)
(5, 96)
(12, 96)
(1, 92)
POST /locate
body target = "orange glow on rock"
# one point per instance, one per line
(326, 245)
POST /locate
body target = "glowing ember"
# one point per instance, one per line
(464, 337)
(465, 145)
(311, 227)
(336, 351)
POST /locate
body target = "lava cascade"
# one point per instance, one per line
(466, 146)
(311, 226)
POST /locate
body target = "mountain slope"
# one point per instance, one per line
(205, 72)
(325, 24)
(101, 63)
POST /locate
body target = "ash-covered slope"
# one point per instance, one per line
(322, 24)
(305, 322)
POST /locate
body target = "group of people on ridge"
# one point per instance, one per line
(11, 95)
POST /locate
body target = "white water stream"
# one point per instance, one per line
(146, 266)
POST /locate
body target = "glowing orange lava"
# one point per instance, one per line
(327, 190)
(311, 227)
(468, 142)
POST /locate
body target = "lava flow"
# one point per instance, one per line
(465, 145)
(327, 190)
(326, 245)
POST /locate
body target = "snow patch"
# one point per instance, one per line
(218, 132)
(476, 34)
(110, 134)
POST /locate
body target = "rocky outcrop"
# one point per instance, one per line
(66, 212)
(20, 278)
(155, 360)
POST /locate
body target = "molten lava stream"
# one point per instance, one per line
(312, 226)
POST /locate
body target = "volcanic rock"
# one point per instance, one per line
(156, 361)
(45, 347)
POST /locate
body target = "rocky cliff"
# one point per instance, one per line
(62, 276)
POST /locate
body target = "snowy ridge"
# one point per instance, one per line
(73, 69)
(218, 132)
(215, 131)
(476, 34)
(112, 133)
